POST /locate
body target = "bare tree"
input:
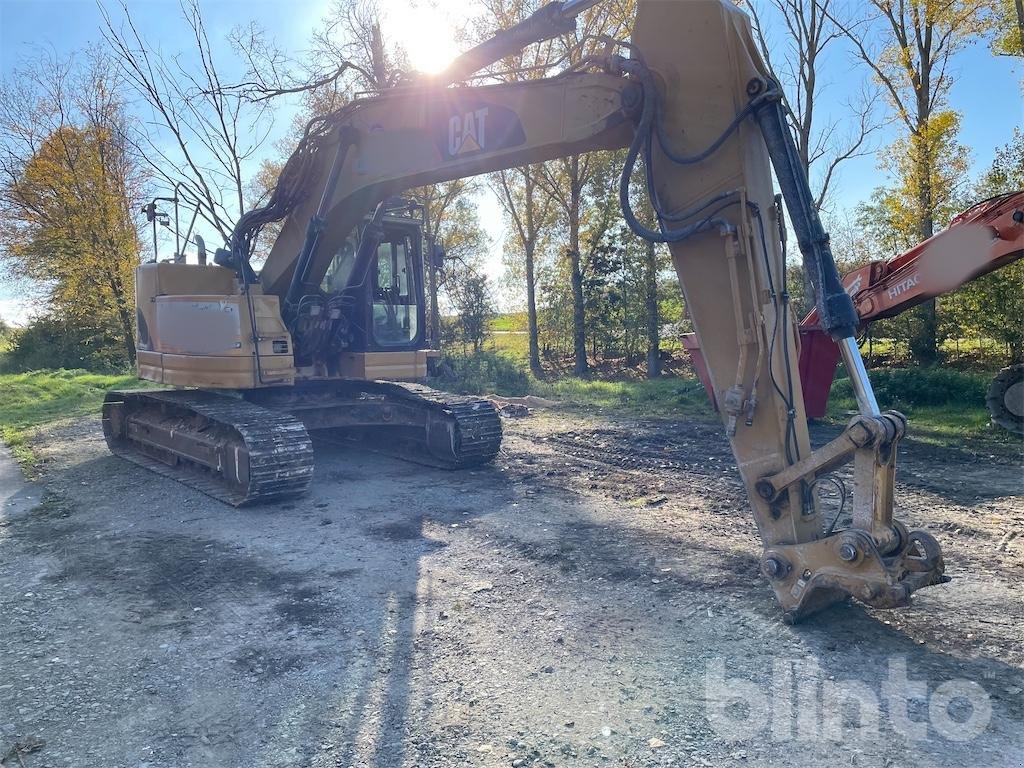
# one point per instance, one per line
(909, 47)
(205, 134)
(809, 32)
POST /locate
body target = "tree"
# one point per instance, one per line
(451, 213)
(69, 186)
(203, 140)
(651, 268)
(1008, 30)
(909, 46)
(993, 306)
(524, 200)
(809, 33)
(474, 307)
(529, 211)
(568, 177)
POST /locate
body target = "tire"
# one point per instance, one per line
(1006, 399)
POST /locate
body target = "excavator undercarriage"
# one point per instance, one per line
(255, 446)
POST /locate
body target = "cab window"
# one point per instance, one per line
(395, 293)
(339, 272)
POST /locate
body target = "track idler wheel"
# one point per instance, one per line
(1006, 399)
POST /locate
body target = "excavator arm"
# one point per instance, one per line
(703, 125)
(987, 236)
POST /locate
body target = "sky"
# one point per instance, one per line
(986, 89)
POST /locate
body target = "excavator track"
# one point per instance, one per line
(227, 448)
(255, 448)
(462, 431)
(404, 420)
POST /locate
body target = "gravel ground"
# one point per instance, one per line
(579, 603)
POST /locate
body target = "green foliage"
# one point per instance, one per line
(1006, 174)
(993, 306)
(474, 305)
(70, 187)
(483, 373)
(943, 407)
(929, 166)
(53, 342)
(1008, 31)
(989, 307)
(6, 334)
(899, 388)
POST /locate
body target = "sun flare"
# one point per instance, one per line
(425, 32)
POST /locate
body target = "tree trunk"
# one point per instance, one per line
(651, 303)
(531, 313)
(1019, 5)
(125, 319)
(579, 318)
(924, 342)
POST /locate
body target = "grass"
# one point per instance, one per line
(659, 397)
(944, 425)
(515, 346)
(944, 406)
(34, 399)
(509, 321)
(496, 372)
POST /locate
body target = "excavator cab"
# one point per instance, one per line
(386, 304)
(369, 309)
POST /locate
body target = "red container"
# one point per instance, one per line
(819, 356)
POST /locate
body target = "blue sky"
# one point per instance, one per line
(986, 89)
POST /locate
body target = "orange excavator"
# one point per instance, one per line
(987, 236)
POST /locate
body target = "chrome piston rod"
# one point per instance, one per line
(866, 403)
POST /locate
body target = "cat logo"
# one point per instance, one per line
(467, 132)
(465, 127)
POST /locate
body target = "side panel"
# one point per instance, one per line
(195, 330)
(198, 325)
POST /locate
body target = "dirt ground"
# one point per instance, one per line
(567, 606)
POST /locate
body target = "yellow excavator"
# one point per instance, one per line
(329, 334)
